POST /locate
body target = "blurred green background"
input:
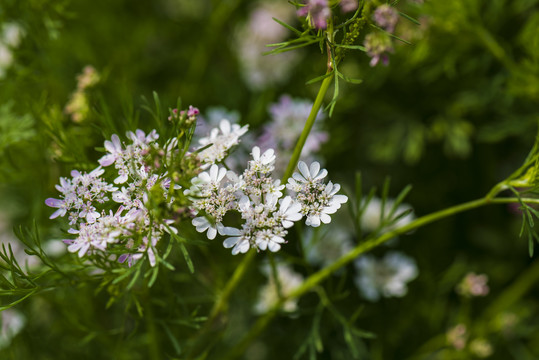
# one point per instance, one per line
(453, 113)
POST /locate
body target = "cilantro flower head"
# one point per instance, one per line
(318, 200)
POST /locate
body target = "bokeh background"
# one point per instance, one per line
(453, 113)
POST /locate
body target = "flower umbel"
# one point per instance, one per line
(108, 220)
(473, 285)
(318, 200)
(288, 279)
(386, 277)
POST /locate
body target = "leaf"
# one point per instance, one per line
(172, 338)
(385, 194)
(319, 78)
(400, 198)
(349, 79)
(289, 48)
(409, 18)
(353, 47)
(291, 28)
(530, 244)
(154, 272)
(187, 258)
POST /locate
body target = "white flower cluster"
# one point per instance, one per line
(86, 196)
(258, 198)
(287, 118)
(318, 200)
(104, 215)
(387, 277)
(11, 35)
(251, 39)
(220, 141)
(12, 322)
(289, 280)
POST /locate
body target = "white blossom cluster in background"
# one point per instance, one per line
(11, 35)
(268, 296)
(386, 277)
(11, 323)
(85, 196)
(261, 72)
(219, 141)
(287, 119)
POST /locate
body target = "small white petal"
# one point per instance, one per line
(274, 247)
(304, 170)
(325, 218)
(231, 241)
(314, 168)
(212, 232)
(313, 220)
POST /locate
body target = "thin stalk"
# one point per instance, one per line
(231, 285)
(313, 280)
(201, 342)
(154, 352)
(308, 126)
(275, 274)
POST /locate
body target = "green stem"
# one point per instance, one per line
(201, 342)
(153, 339)
(308, 126)
(231, 285)
(320, 275)
(275, 275)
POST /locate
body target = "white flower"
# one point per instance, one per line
(12, 34)
(140, 138)
(12, 323)
(10, 38)
(80, 196)
(318, 201)
(220, 140)
(86, 196)
(129, 161)
(202, 224)
(260, 72)
(262, 163)
(97, 235)
(386, 277)
(289, 211)
(209, 196)
(265, 225)
(268, 296)
(237, 241)
(287, 118)
(307, 175)
(215, 175)
(115, 150)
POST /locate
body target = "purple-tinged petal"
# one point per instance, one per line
(55, 203)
